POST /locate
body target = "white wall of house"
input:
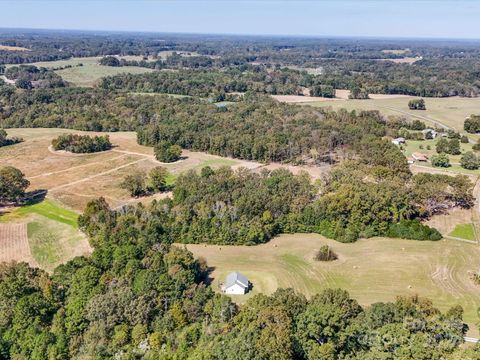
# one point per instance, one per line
(235, 290)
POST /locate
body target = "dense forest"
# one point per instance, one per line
(257, 128)
(337, 63)
(139, 297)
(360, 198)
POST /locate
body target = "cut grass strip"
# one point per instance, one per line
(46, 208)
(464, 231)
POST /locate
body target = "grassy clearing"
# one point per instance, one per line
(427, 147)
(450, 111)
(52, 242)
(47, 208)
(464, 231)
(90, 71)
(437, 270)
(13, 48)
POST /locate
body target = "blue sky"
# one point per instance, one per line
(387, 18)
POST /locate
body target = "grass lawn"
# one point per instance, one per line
(427, 147)
(372, 270)
(464, 231)
(48, 209)
(52, 242)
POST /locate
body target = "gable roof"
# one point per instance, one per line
(236, 278)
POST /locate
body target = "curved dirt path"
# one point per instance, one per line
(97, 175)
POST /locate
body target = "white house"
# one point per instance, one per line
(236, 284)
(398, 141)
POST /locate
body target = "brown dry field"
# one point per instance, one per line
(13, 48)
(14, 244)
(75, 179)
(405, 60)
(339, 95)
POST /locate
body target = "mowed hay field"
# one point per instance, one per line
(450, 111)
(90, 71)
(14, 244)
(49, 235)
(372, 270)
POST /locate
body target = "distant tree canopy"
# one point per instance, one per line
(12, 184)
(472, 124)
(418, 104)
(110, 61)
(26, 76)
(82, 143)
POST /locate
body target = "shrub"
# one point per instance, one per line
(464, 139)
(413, 229)
(440, 160)
(469, 161)
(325, 253)
(418, 104)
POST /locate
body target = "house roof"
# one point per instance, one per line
(419, 156)
(236, 278)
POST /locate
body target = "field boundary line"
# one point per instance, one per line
(460, 239)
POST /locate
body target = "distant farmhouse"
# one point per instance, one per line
(419, 156)
(236, 284)
(399, 141)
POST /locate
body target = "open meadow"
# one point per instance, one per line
(450, 112)
(437, 270)
(89, 72)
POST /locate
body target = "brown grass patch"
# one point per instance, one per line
(14, 244)
(13, 48)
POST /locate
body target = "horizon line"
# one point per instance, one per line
(301, 36)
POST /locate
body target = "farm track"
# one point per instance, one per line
(75, 167)
(97, 175)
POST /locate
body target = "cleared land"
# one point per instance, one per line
(50, 234)
(73, 179)
(90, 71)
(13, 48)
(437, 270)
(339, 95)
(428, 147)
(450, 111)
(14, 244)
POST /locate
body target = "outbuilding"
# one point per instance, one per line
(236, 284)
(419, 156)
